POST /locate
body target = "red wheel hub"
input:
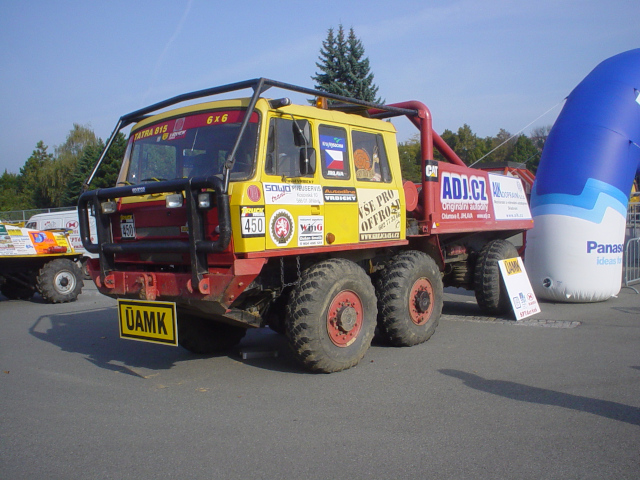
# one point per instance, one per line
(421, 301)
(344, 318)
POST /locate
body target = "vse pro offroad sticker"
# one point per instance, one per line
(379, 214)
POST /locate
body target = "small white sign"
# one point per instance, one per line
(523, 300)
(310, 231)
(293, 194)
(509, 198)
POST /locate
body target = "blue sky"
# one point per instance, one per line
(490, 64)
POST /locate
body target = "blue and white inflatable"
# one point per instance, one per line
(579, 199)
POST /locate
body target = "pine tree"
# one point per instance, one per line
(33, 177)
(344, 70)
(106, 175)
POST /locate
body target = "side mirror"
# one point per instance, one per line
(301, 133)
(307, 161)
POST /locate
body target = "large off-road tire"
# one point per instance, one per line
(60, 281)
(491, 292)
(410, 298)
(331, 316)
(15, 291)
(205, 336)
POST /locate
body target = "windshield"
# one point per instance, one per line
(192, 146)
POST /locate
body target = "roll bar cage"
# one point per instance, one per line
(198, 246)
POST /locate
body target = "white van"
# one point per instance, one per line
(67, 219)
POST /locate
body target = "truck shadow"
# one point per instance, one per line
(94, 334)
(543, 396)
(35, 299)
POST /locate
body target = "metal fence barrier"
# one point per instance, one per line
(632, 247)
(21, 216)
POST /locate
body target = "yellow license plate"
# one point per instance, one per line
(148, 321)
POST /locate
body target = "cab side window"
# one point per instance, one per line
(334, 152)
(289, 148)
(370, 157)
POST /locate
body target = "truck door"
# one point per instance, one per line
(341, 201)
(294, 206)
(380, 212)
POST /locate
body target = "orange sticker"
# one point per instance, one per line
(361, 159)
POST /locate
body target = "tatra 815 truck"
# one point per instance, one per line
(253, 211)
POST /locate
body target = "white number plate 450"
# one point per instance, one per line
(127, 226)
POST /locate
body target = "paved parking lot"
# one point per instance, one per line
(557, 396)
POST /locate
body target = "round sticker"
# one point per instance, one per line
(254, 193)
(361, 159)
(281, 227)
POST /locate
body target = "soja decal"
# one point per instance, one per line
(281, 227)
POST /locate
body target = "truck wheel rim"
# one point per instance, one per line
(344, 318)
(421, 301)
(65, 282)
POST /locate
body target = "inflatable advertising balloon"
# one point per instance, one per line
(579, 199)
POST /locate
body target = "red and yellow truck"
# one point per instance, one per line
(247, 212)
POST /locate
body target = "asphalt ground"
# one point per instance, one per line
(555, 396)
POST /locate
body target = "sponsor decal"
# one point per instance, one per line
(509, 198)
(431, 170)
(49, 224)
(339, 194)
(292, 194)
(310, 231)
(596, 248)
(378, 214)
(365, 166)
(463, 193)
(333, 154)
(254, 194)
(512, 267)
(281, 227)
(20, 241)
(43, 241)
(151, 131)
(252, 221)
(604, 247)
(172, 129)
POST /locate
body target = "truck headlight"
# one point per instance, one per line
(204, 200)
(174, 200)
(108, 207)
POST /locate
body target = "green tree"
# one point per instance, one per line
(467, 145)
(33, 178)
(524, 151)
(409, 153)
(107, 173)
(503, 145)
(79, 139)
(11, 196)
(344, 70)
